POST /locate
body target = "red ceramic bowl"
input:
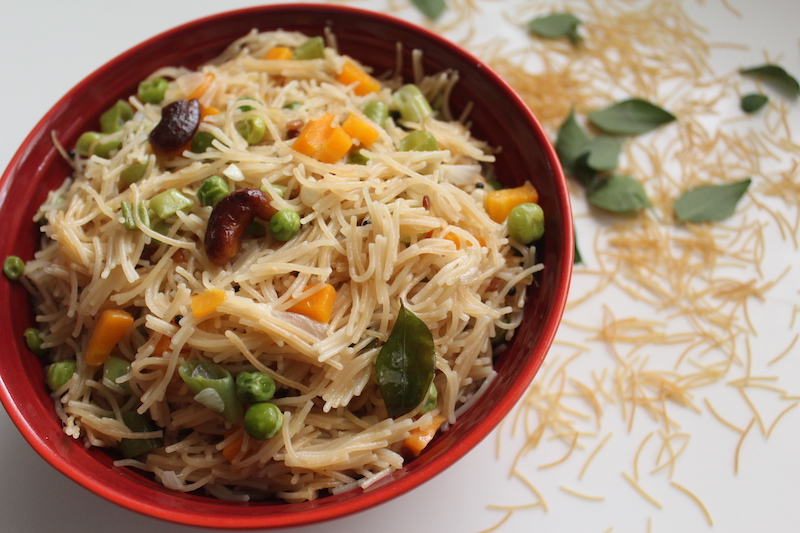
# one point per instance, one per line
(499, 116)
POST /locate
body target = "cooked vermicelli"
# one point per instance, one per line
(388, 223)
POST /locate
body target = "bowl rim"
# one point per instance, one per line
(378, 493)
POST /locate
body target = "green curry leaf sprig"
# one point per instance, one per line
(405, 365)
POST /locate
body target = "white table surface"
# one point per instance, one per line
(47, 47)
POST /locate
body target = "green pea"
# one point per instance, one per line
(284, 224)
(59, 373)
(213, 189)
(152, 91)
(526, 223)
(313, 48)
(262, 421)
(13, 267)
(133, 173)
(252, 129)
(202, 141)
(33, 339)
(115, 118)
(114, 368)
(431, 400)
(419, 141)
(254, 387)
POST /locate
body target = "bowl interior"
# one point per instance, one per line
(498, 116)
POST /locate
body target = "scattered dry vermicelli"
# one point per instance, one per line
(673, 304)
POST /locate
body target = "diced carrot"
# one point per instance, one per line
(359, 129)
(364, 83)
(422, 436)
(112, 326)
(450, 236)
(279, 52)
(201, 89)
(162, 346)
(313, 135)
(207, 301)
(336, 145)
(317, 306)
(234, 447)
(207, 111)
(500, 203)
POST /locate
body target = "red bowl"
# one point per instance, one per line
(499, 116)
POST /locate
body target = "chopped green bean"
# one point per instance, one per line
(313, 48)
(202, 376)
(419, 141)
(262, 421)
(128, 220)
(357, 158)
(115, 118)
(169, 202)
(130, 448)
(213, 189)
(89, 143)
(254, 387)
(13, 267)
(113, 369)
(431, 400)
(255, 229)
(279, 189)
(293, 106)
(152, 91)
(85, 142)
(411, 103)
(252, 129)
(284, 224)
(377, 112)
(245, 107)
(59, 373)
(133, 173)
(33, 339)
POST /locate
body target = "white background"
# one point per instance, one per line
(47, 47)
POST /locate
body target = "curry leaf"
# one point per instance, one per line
(619, 193)
(710, 203)
(571, 142)
(753, 102)
(775, 76)
(432, 9)
(630, 117)
(405, 365)
(556, 25)
(603, 153)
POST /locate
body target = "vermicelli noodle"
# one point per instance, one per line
(394, 228)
